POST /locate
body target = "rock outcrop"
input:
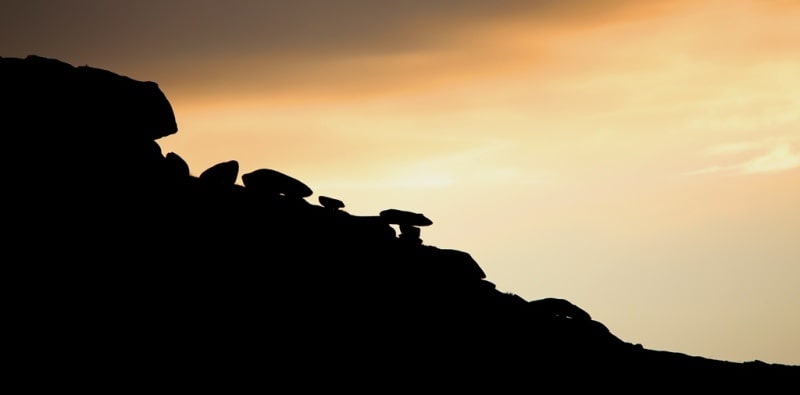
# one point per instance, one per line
(331, 203)
(133, 266)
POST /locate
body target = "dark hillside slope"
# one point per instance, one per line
(133, 268)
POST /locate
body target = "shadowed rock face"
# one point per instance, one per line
(94, 127)
(129, 260)
(50, 93)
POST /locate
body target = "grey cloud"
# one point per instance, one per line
(292, 27)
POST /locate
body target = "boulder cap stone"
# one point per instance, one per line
(274, 182)
(402, 217)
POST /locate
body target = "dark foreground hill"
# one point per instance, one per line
(135, 270)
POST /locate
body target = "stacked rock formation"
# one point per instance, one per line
(131, 260)
(408, 222)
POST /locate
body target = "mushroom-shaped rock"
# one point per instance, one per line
(224, 173)
(331, 203)
(275, 183)
(400, 217)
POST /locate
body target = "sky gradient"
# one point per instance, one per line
(640, 159)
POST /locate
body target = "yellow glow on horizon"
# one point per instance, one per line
(648, 160)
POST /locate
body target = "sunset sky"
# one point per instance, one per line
(640, 159)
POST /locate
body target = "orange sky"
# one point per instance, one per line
(640, 159)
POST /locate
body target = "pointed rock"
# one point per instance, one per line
(460, 263)
(224, 173)
(176, 166)
(331, 203)
(400, 217)
(275, 183)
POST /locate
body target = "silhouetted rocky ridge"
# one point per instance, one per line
(134, 267)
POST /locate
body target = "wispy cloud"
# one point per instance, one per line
(766, 157)
(708, 170)
(779, 158)
(734, 148)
